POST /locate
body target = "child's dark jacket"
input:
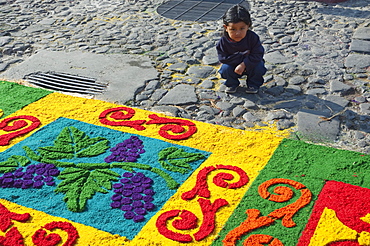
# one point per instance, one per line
(248, 50)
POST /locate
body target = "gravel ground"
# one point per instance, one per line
(317, 55)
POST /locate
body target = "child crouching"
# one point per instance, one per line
(240, 51)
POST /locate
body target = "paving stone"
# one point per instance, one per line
(208, 95)
(201, 71)
(224, 106)
(3, 66)
(289, 105)
(360, 46)
(192, 80)
(362, 33)
(152, 85)
(238, 111)
(178, 67)
(210, 60)
(180, 95)
(359, 135)
(237, 101)
(158, 94)
(285, 40)
(5, 40)
(249, 104)
(209, 109)
(360, 99)
(279, 81)
(297, 80)
(365, 108)
(316, 91)
(207, 84)
(141, 97)
(310, 126)
(275, 91)
(210, 57)
(35, 29)
(47, 22)
(276, 58)
(294, 89)
(339, 87)
(167, 110)
(317, 80)
(357, 61)
(284, 124)
(250, 117)
(336, 103)
(278, 114)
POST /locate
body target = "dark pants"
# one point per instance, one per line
(254, 76)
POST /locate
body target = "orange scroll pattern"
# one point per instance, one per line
(255, 220)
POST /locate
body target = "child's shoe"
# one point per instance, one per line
(230, 90)
(251, 90)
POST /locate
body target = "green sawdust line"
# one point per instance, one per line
(309, 164)
(14, 96)
(299, 159)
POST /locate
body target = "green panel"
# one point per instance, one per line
(312, 166)
(14, 96)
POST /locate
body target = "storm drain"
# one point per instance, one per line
(66, 83)
(202, 10)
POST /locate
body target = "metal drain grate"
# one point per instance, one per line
(201, 10)
(66, 83)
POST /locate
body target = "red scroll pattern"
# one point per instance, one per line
(181, 129)
(6, 218)
(187, 219)
(201, 186)
(117, 114)
(255, 220)
(18, 126)
(39, 238)
(175, 126)
(12, 238)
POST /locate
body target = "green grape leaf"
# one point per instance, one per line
(55, 153)
(178, 160)
(8, 166)
(79, 185)
(99, 146)
(12, 163)
(74, 143)
(31, 154)
(103, 177)
(22, 160)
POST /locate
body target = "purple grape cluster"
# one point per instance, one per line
(127, 151)
(134, 196)
(35, 176)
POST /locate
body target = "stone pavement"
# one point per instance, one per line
(317, 55)
(107, 69)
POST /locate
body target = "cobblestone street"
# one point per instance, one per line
(317, 55)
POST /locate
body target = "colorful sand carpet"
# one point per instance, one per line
(76, 171)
